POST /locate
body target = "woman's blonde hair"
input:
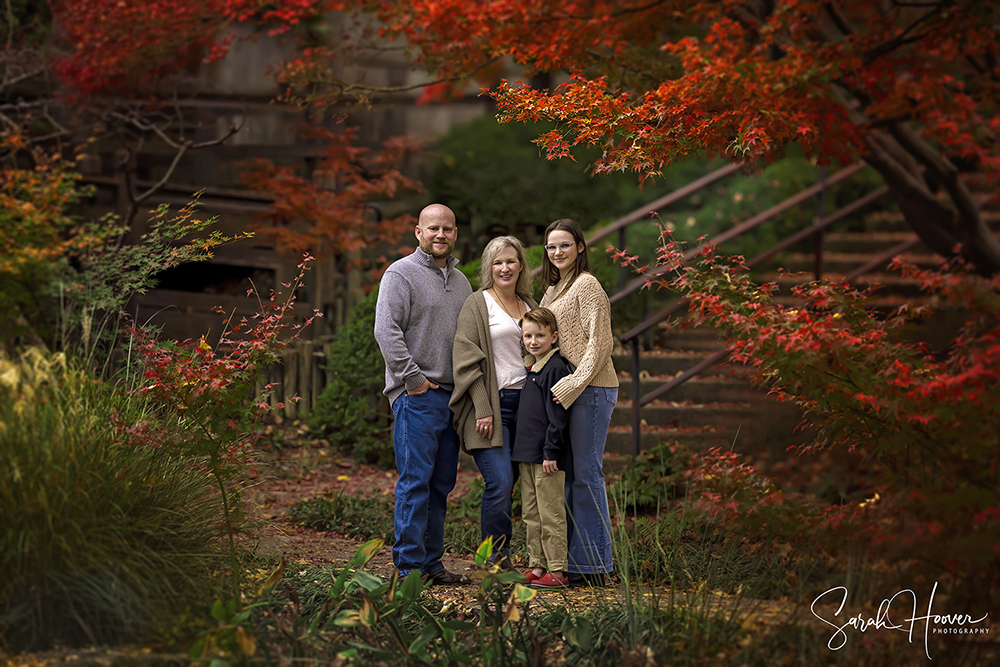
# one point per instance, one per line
(494, 248)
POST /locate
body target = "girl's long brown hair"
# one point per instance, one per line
(550, 274)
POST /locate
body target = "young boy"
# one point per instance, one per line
(540, 443)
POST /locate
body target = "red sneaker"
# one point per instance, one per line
(531, 576)
(550, 581)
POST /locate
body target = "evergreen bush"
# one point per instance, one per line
(351, 412)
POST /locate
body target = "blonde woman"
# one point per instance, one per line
(489, 373)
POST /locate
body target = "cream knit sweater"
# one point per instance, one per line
(583, 315)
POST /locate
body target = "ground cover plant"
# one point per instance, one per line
(349, 614)
(371, 518)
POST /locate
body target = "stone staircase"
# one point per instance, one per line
(721, 407)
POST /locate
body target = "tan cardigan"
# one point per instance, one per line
(583, 315)
(476, 393)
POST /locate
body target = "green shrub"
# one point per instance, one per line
(352, 516)
(103, 537)
(652, 479)
(351, 411)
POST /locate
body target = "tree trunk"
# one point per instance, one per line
(944, 221)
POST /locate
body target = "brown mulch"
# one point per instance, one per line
(289, 475)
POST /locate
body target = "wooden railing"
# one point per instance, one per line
(302, 373)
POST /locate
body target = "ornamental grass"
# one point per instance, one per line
(104, 536)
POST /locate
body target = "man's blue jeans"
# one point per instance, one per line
(426, 449)
(589, 523)
(499, 475)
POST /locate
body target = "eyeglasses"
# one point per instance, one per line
(552, 247)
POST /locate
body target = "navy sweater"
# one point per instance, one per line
(542, 432)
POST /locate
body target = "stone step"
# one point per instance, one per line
(699, 389)
(620, 442)
(882, 303)
(686, 414)
(889, 283)
(893, 221)
(769, 425)
(845, 262)
(868, 242)
(672, 337)
(668, 362)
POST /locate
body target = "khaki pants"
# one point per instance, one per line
(543, 510)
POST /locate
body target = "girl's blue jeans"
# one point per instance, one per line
(587, 516)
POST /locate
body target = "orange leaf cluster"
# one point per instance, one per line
(33, 204)
(334, 215)
(654, 82)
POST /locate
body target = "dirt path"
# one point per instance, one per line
(291, 475)
(296, 474)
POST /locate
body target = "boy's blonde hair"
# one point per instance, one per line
(543, 317)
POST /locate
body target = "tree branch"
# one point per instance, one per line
(839, 20)
(349, 89)
(902, 39)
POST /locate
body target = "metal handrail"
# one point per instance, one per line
(639, 400)
(743, 227)
(854, 207)
(666, 200)
(622, 223)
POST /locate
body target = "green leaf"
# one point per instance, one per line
(523, 593)
(484, 551)
(219, 610)
(378, 653)
(349, 654)
(367, 581)
(413, 586)
(367, 552)
(197, 648)
(578, 632)
(380, 590)
(315, 622)
(340, 583)
(428, 633)
(348, 618)
(509, 578)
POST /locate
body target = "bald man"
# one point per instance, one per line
(416, 315)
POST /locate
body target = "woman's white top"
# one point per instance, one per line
(505, 336)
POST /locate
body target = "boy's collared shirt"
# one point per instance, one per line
(541, 433)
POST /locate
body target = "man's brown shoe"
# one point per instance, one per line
(446, 578)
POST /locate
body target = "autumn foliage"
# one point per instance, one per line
(35, 193)
(127, 47)
(927, 424)
(908, 87)
(332, 213)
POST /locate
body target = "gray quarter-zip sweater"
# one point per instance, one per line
(415, 320)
